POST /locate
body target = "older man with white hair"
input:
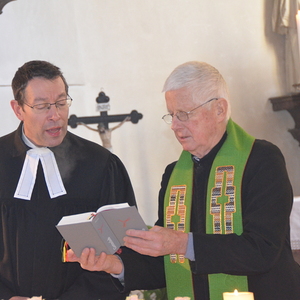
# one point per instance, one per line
(224, 206)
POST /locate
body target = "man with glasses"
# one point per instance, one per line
(224, 206)
(46, 173)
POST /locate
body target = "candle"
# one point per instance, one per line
(132, 297)
(238, 296)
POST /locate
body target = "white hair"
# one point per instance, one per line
(202, 79)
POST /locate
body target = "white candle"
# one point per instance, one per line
(238, 296)
(132, 297)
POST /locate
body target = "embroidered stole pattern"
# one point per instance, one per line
(177, 203)
(224, 173)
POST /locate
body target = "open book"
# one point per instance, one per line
(102, 230)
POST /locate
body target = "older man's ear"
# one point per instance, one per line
(222, 107)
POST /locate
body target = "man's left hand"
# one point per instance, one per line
(157, 241)
(92, 262)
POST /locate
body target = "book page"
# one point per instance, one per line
(112, 206)
(78, 218)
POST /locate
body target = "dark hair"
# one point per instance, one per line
(30, 70)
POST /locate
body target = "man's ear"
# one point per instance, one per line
(18, 110)
(222, 107)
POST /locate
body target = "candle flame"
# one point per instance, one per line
(235, 292)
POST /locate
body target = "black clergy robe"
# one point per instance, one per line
(30, 245)
(262, 252)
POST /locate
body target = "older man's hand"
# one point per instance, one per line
(157, 241)
(92, 262)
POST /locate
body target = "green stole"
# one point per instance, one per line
(223, 213)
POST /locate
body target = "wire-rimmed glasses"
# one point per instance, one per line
(183, 115)
(43, 107)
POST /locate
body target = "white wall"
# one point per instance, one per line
(129, 47)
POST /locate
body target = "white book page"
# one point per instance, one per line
(112, 206)
(78, 218)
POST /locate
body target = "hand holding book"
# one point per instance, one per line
(90, 261)
(103, 230)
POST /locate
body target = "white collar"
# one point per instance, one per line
(28, 175)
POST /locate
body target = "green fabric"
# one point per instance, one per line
(230, 161)
(178, 275)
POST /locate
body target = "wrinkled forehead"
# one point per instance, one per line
(183, 99)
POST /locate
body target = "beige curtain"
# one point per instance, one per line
(284, 22)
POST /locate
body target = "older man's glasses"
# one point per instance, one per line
(44, 107)
(183, 115)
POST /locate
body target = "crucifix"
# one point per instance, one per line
(104, 119)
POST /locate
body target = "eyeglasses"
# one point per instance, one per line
(43, 107)
(183, 115)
